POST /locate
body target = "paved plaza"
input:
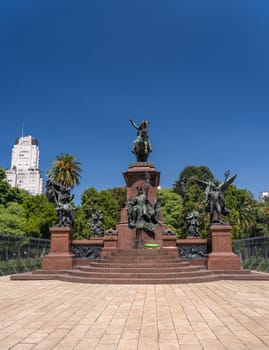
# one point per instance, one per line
(64, 316)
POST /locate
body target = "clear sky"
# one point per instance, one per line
(74, 72)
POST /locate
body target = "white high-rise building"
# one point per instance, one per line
(264, 196)
(24, 171)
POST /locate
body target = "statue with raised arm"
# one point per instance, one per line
(143, 215)
(214, 201)
(141, 145)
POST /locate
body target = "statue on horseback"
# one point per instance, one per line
(141, 146)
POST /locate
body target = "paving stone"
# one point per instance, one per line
(46, 315)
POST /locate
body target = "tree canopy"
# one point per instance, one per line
(103, 201)
(171, 205)
(65, 170)
(24, 214)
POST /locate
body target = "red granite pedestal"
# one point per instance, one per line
(136, 176)
(110, 245)
(60, 256)
(222, 257)
(170, 245)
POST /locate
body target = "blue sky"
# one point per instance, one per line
(74, 72)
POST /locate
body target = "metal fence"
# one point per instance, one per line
(253, 252)
(21, 254)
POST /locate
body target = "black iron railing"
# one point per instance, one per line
(253, 252)
(21, 254)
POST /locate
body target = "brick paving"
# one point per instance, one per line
(63, 316)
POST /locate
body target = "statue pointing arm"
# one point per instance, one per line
(133, 124)
(141, 145)
(215, 196)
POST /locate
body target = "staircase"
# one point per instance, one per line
(141, 266)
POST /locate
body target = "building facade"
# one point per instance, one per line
(264, 196)
(24, 172)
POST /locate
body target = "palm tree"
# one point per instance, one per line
(247, 217)
(66, 170)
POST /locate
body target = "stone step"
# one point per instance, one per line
(141, 267)
(173, 280)
(139, 281)
(136, 275)
(140, 264)
(113, 280)
(238, 272)
(49, 272)
(140, 252)
(148, 261)
(131, 266)
(141, 257)
(136, 269)
(245, 277)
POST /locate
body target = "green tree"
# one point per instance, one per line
(2, 174)
(4, 192)
(110, 208)
(82, 224)
(9, 193)
(103, 201)
(119, 194)
(89, 200)
(193, 196)
(241, 204)
(12, 219)
(234, 221)
(40, 216)
(65, 170)
(261, 219)
(181, 186)
(4, 188)
(171, 207)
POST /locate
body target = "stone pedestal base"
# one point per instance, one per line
(55, 261)
(223, 261)
(127, 236)
(110, 245)
(60, 256)
(222, 257)
(170, 245)
(135, 177)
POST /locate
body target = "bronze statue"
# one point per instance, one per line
(97, 223)
(141, 146)
(60, 195)
(192, 224)
(142, 215)
(215, 197)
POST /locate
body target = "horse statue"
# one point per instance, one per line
(141, 146)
